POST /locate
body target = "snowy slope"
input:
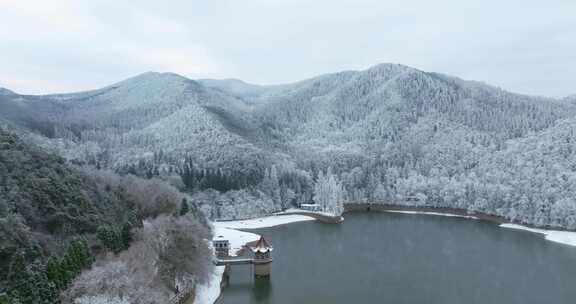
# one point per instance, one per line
(138, 117)
(388, 132)
(354, 113)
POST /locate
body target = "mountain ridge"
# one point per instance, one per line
(388, 132)
(213, 83)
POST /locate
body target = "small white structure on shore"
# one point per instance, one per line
(221, 247)
(311, 207)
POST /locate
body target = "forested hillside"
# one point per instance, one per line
(56, 220)
(390, 134)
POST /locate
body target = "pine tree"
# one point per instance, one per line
(103, 234)
(35, 289)
(57, 274)
(329, 193)
(275, 186)
(72, 261)
(19, 277)
(87, 257)
(54, 273)
(320, 191)
(117, 242)
(111, 238)
(126, 235)
(380, 193)
(66, 273)
(184, 208)
(43, 291)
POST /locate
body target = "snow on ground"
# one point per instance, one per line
(295, 210)
(236, 238)
(432, 213)
(562, 237)
(209, 292)
(263, 222)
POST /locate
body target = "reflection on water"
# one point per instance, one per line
(395, 258)
(261, 290)
(254, 290)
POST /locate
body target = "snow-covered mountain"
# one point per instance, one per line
(367, 110)
(142, 116)
(388, 132)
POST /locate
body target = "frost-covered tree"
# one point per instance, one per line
(169, 251)
(271, 185)
(329, 193)
(389, 132)
(184, 207)
(380, 193)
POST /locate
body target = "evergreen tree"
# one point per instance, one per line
(4, 299)
(19, 277)
(275, 186)
(57, 274)
(43, 291)
(105, 237)
(380, 193)
(184, 208)
(87, 256)
(79, 255)
(54, 273)
(111, 238)
(66, 273)
(329, 193)
(73, 266)
(30, 286)
(126, 235)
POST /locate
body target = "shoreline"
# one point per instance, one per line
(240, 239)
(211, 292)
(264, 222)
(441, 211)
(553, 234)
(320, 216)
(557, 236)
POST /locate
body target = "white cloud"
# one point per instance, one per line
(527, 45)
(51, 46)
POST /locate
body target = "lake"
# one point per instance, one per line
(398, 258)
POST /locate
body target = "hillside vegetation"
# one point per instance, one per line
(55, 220)
(389, 134)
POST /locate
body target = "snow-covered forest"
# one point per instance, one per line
(390, 134)
(73, 234)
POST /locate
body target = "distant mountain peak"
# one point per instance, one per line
(388, 70)
(154, 76)
(156, 81)
(390, 66)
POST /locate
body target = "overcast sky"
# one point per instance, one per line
(47, 46)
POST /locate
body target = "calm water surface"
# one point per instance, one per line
(397, 258)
